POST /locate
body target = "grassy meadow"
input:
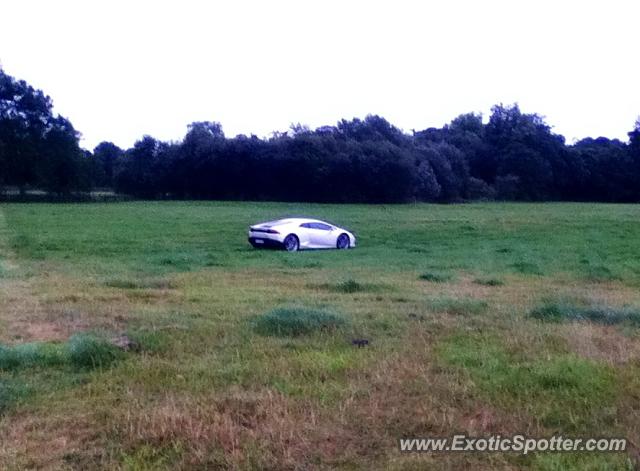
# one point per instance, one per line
(480, 319)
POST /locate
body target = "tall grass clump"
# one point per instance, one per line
(139, 284)
(82, 351)
(436, 277)
(458, 306)
(551, 311)
(34, 354)
(12, 391)
(295, 321)
(527, 268)
(349, 286)
(600, 273)
(489, 281)
(91, 351)
(8, 358)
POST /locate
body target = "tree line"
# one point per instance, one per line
(512, 156)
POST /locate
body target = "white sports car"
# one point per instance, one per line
(300, 233)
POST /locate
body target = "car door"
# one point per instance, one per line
(308, 235)
(322, 235)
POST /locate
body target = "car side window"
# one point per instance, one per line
(316, 225)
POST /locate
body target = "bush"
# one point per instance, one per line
(296, 321)
(91, 351)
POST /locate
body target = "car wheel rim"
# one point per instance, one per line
(342, 242)
(290, 244)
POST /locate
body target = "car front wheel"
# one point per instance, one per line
(343, 241)
(291, 243)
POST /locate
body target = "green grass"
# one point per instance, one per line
(563, 390)
(458, 306)
(156, 237)
(13, 391)
(600, 273)
(582, 461)
(246, 359)
(526, 268)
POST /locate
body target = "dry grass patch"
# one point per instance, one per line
(601, 343)
(239, 429)
(48, 440)
(54, 308)
(140, 283)
(407, 394)
(458, 306)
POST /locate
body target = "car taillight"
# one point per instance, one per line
(265, 231)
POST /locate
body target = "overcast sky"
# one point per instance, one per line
(121, 69)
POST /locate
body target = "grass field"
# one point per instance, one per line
(481, 319)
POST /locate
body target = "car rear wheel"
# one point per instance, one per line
(343, 242)
(291, 243)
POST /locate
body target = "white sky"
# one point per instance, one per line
(121, 69)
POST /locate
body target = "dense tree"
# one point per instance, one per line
(139, 175)
(37, 147)
(602, 170)
(62, 163)
(107, 157)
(634, 152)
(513, 156)
(467, 133)
(523, 146)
